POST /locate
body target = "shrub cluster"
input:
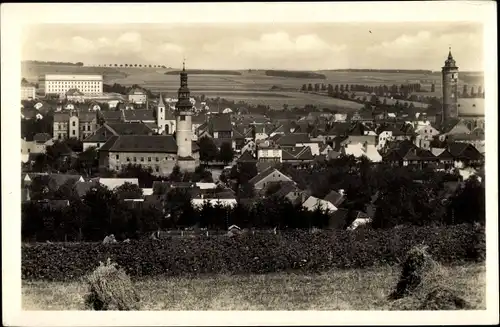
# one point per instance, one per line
(299, 251)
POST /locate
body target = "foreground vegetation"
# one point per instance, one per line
(299, 251)
(353, 289)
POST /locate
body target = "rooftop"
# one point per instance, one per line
(141, 143)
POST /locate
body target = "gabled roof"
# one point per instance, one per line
(138, 115)
(220, 123)
(259, 177)
(297, 153)
(339, 129)
(335, 198)
(41, 137)
(108, 116)
(107, 130)
(465, 151)
(61, 117)
(247, 157)
(286, 188)
(86, 116)
(442, 154)
(141, 143)
(293, 139)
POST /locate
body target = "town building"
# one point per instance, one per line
(28, 91)
(107, 130)
(74, 124)
(137, 96)
(75, 95)
(62, 83)
(165, 118)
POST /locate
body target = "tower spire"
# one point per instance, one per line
(184, 64)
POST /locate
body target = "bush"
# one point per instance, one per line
(110, 288)
(258, 254)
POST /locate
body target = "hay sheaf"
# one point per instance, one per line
(419, 288)
(110, 288)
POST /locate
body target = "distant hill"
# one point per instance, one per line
(294, 74)
(204, 72)
(33, 70)
(52, 63)
(405, 71)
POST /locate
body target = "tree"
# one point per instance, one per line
(464, 92)
(208, 149)
(433, 87)
(330, 89)
(226, 153)
(472, 92)
(176, 174)
(316, 87)
(304, 88)
(309, 87)
(129, 191)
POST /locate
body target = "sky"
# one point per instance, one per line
(288, 46)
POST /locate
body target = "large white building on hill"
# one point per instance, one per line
(62, 83)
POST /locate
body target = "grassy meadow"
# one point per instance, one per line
(357, 289)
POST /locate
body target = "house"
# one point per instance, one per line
(107, 130)
(225, 198)
(221, 129)
(28, 91)
(453, 127)
(313, 203)
(246, 157)
(137, 96)
(445, 158)
(388, 133)
(83, 187)
(74, 124)
(75, 95)
(269, 175)
(425, 133)
(324, 149)
(475, 139)
(359, 146)
(406, 153)
(158, 152)
(297, 156)
(52, 181)
(292, 140)
(267, 152)
(464, 154)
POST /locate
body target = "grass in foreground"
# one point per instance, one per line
(360, 289)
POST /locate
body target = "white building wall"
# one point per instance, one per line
(60, 84)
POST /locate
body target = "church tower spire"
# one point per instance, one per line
(450, 89)
(183, 133)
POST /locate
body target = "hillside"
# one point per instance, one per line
(294, 74)
(205, 72)
(32, 71)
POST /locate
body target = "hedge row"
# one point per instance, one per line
(300, 251)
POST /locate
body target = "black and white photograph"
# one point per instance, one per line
(207, 162)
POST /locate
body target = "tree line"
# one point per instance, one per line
(133, 65)
(101, 212)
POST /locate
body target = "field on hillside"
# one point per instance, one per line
(355, 289)
(253, 87)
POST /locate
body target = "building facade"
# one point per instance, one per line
(450, 89)
(60, 84)
(74, 124)
(165, 119)
(28, 92)
(137, 96)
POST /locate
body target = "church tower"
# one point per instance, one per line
(183, 133)
(450, 89)
(160, 115)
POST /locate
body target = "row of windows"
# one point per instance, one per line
(134, 159)
(156, 168)
(73, 82)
